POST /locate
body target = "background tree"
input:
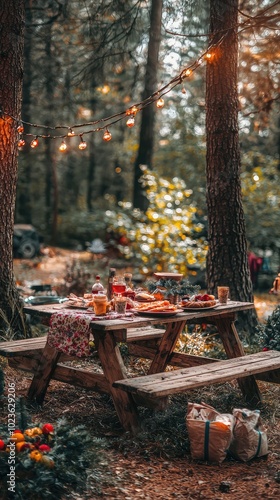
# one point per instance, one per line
(11, 73)
(227, 262)
(147, 129)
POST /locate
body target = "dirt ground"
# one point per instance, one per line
(156, 464)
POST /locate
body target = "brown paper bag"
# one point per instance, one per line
(210, 432)
(249, 435)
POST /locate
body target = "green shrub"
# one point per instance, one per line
(269, 333)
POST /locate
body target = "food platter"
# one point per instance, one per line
(197, 309)
(77, 306)
(157, 314)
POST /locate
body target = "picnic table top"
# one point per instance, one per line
(131, 320)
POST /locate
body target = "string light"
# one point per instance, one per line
(70, 133)
(209, 56)
(160, 103)
(130, 122)
(20, 128)
(130, 112)
(63, 146)
(34, 143)
(21, 142)
(82, 144)
(107, 136)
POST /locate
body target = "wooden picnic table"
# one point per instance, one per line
(109, 333)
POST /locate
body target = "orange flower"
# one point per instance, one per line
(17, 437)
(36, 456)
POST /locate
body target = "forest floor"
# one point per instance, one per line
(156, 464)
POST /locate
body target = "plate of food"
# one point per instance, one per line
(76, 305)
(199, 302)
(157, 308)
(198, 308)
(158, 314)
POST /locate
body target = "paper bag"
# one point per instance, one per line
(210, 432)
(249, 436)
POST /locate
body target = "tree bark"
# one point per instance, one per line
(146, 141)
(227, 261)
(12, 323)
(24, 198)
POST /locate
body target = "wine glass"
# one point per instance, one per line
(118, 285)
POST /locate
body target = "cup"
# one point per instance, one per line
(100, 304)
(223, 294)
(120, 304)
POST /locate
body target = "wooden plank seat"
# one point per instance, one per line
(172, 382)
(32, 346)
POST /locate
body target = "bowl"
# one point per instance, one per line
(169, 276)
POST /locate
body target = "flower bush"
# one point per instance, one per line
(48, 460)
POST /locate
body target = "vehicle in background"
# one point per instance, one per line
(26, 241)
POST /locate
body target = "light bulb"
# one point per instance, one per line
(63, 146)
(21, 143)
(107, 136)
(34, 143)
(131, 111)
(130, 122)
(188, 72)
(70, 133)
(20, 128)
(160, 103)
(208, 56)
(82, 144)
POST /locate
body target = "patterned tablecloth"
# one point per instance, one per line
(69, 331)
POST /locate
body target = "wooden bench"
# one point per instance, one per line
(160, 385)
(25, 353)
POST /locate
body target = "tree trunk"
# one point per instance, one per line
(12, 324)
(24, 198)
(146, 141)
(227, 261)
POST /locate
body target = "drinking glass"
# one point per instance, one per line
(223, 294)
(118, 285)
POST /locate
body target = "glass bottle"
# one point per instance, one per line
(129, 292)
(97, 286)
(112, 274)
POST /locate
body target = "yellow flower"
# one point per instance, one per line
(33, 432)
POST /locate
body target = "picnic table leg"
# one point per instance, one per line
(166, 346)
(114, 369)
(234, 349)
(43, 374)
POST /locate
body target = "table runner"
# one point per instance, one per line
(69, 331)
